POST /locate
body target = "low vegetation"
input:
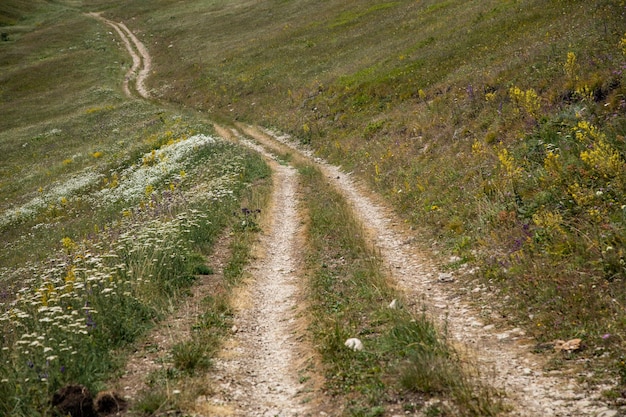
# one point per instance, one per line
(495, 128)
(111, 205)
(178, 383)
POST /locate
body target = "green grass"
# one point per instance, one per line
(414, 97)
(109, 223)
(191, 358)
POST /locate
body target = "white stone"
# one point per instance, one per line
(354, 344)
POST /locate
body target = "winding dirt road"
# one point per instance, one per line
(142, 63)
(256, 374)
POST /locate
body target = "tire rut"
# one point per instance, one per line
(256, 374)
(142, 63)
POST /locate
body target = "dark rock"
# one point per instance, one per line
(75, 401)
(109, 402)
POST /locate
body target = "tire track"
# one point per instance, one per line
(142, 63)
(257, 372)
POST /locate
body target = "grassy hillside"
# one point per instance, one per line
(495, 127)
(110, 205)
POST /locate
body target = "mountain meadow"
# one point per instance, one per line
(496, 129)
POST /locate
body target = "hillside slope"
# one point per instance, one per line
(495, 127)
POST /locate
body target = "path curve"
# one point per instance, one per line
(142, 63)
(504, 357)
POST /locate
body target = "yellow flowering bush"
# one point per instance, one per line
(603, 159)
(527, 100)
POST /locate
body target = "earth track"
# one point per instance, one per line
(142, 63)
(256, 375)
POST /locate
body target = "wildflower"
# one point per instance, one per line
(571, 66)
(68, 244)
(527, 100)
(508, 163)
(604, 159)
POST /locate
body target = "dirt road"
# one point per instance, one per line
(256, 374)
(142, 63)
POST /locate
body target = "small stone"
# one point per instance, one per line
(567, 346)
(607, 413)
(489, 327)
(393, 304)
(354, 344)
(445, 277)
(234, 329)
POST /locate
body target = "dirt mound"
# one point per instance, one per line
(74, 400)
